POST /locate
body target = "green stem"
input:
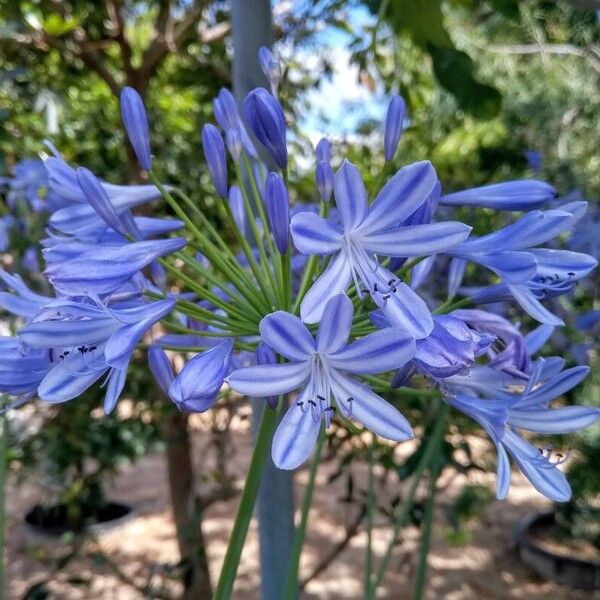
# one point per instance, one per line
(209, 226)
(257, 236)
(427, 522)
(449, 306)
(437, 435)
(369, 518)
(3, 469)
(246, 506)
(290, 590)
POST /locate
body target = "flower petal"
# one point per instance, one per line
(161, 368)
(417, 240)
(104, 269)
(350, 196)
(333, 280)
(555, 420)
(535, 339)
(520, 194)
(287, 335)
(400, 197)
(544, 477)
(295, 437)
(116, 383)
(370, 409)
(377, 352)
(456, 272)
(335, 325)
(556, 387)
(260, 381)
(532, 306)
(512, 266)
(406, 309)
(67, 380)
(503, 473)
(122, 343)
(563, 264)
(314, 235)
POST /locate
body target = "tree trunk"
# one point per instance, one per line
(252, 28)
(186, 508)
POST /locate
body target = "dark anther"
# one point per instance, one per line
(320, 398)
(82, 349)
(571, 274)
(91, 348)
(541, 450)
(66, 352)
(387, 297)
(300, 404)
(331, 409)
(375, 288)
(364, 291)
(312, 402)
(391, 281)
(351, 399)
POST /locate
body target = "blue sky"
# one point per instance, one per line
(340, 104)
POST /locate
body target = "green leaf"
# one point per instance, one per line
(508, 8)
(454, 70)
(424, 22)
(56, 26)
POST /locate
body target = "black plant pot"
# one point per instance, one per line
(577, 573)
(53, 521)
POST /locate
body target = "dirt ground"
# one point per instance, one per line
(484, 567)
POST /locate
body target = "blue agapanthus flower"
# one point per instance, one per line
(367, 232)
(83, 341)
(323, 368)
(504, 406)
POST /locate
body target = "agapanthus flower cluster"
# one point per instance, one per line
(314, 300)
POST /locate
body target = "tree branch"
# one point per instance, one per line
(114, 8)
(590, 53)
(351, 531)
(168, 39)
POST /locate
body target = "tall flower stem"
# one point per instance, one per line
(427, 521)
(433, 444)
(290, 591)
(246, 507)
(369, 517)
(3, 461)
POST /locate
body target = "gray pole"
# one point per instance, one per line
(252, 28)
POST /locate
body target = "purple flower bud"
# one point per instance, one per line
(278, 208)
(225, 110)
(98, 198)
(135, 121)
(161, 368)
(264, 116)
(234, 143)
(534, 160)
(159, 275)
(196, 388)
(393, 126)
(238, 210)
(30, 260)
(324, 176)
(323, 151)
(265, 355)
(270, 67)
(216, 159)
